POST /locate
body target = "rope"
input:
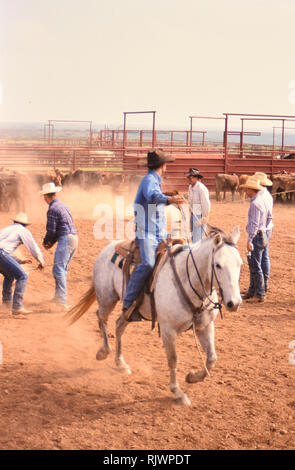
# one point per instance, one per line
(272, 194)
(38, 269)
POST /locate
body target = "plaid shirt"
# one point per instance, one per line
(59, 222)
(259, 216)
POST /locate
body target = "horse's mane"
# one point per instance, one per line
(212, 231)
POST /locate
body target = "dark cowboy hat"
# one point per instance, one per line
(194, 172)
(155, 158)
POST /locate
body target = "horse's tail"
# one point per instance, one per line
(81, 307)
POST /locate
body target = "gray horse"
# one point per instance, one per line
(207, 266)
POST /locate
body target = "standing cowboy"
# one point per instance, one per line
(199, 203)
(259, 217)
(60, 229)
(149, 208)
(10, 238)
(265, 262)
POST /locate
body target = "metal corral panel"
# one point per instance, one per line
(175, 178)
(283, 165)
(68, 158)
(249, 166)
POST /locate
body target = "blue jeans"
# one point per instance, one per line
(11, 271)
(148, 247)
(197, 231)
(265, 261)
(256, 287)
(66, 247)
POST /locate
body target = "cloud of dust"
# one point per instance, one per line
(81, 202)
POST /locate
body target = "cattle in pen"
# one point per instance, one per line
(226, 183)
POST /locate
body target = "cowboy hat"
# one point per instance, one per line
(155, 158)
(50, 188)
(21, 218)
(194, 172)
(252, 183)
(264, 181)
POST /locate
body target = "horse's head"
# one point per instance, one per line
(226, 267)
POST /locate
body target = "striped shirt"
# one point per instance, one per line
(198, 199)
(264, 193)
(59, 222)
(16, 234)
(259, 216)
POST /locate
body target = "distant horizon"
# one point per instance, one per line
(35, 129)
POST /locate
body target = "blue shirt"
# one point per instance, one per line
(149, 207)
(59, 222)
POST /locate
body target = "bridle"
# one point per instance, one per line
(206, 296)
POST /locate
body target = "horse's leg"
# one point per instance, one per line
(206, 338)
(169, 342)
(102, 316)
(121, 325)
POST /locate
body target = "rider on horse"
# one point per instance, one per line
(149, 207)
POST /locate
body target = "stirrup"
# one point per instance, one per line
(131, 314)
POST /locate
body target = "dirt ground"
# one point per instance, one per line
(55, 395)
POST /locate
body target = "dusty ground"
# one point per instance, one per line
(55, 395)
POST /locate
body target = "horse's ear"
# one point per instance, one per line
(235, 235)
(217, 239)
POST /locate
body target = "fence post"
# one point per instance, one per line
(74, 160)
(225, 143)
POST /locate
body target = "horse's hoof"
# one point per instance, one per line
(125, 370)
(194, 377)
(101, 354)
(184, 400)
(123, 367)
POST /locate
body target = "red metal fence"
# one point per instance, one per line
(209, 160)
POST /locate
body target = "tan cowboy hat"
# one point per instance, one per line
(264, 181)
(155, 158)
(50, 188)
(21, 218)
(252, 183)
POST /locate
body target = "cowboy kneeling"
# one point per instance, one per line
(10, 238)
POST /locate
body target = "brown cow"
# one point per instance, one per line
(84, 179)
(226, 183)
(242, 180)
(14, 190)
(55, 176)
(283, 183)
(114, 180)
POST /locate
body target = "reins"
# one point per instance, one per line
(206, 295)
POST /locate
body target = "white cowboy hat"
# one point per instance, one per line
(263, 178)
(50, 188)
(252, 183)
(22, 218)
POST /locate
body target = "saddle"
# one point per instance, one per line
(130, 258)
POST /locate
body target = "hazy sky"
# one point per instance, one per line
(95, 59)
